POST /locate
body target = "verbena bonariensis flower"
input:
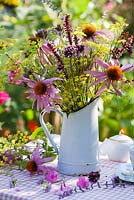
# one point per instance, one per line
(112, 74)
(42, 91)
(35, 164)
(4, 96)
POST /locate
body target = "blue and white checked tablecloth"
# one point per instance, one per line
(27, 188)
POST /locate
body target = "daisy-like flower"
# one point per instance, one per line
(111, 76)
(43, 92)
(35, 164)
(90, 32)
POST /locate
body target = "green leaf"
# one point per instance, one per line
(38, 134)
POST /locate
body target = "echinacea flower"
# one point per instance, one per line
(4, 96)
(35, 164)
(111, 76)
(43, 92)
(90, 32)
(82, 182)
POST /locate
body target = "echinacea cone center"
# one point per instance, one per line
(114, 73)
(40, 88)
(31, 166)
(89, 31)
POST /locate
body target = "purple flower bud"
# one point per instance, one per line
(70, 51)
(41, 33)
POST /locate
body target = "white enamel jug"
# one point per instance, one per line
(78, 152)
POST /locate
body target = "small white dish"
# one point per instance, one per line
(125, 172)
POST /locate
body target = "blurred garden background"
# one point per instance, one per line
(21, 19)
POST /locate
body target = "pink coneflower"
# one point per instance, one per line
(112, 74)
(91, 32)
(35, 164)
(4, 96)
(43, 92)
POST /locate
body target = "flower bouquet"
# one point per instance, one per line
(70, 67)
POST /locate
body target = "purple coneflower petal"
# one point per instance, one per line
(46, 103)
(127, 68)
(50, 81)
(52, 91)
(42, 167)
(48, 159)
(101, 89)
(108, 83)
(98, 81)
(28, 82)
(95, 73)
(104, 33)
(114, 62)
(57, 96)
(118, 92)
(102, 63)
(30, 92)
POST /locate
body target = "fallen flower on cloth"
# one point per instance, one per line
(82, 182)
(52, 175)
(93, 177)
(114, 182)
(35, 164)
(64, 191)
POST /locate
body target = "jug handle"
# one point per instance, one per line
(43, 124)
